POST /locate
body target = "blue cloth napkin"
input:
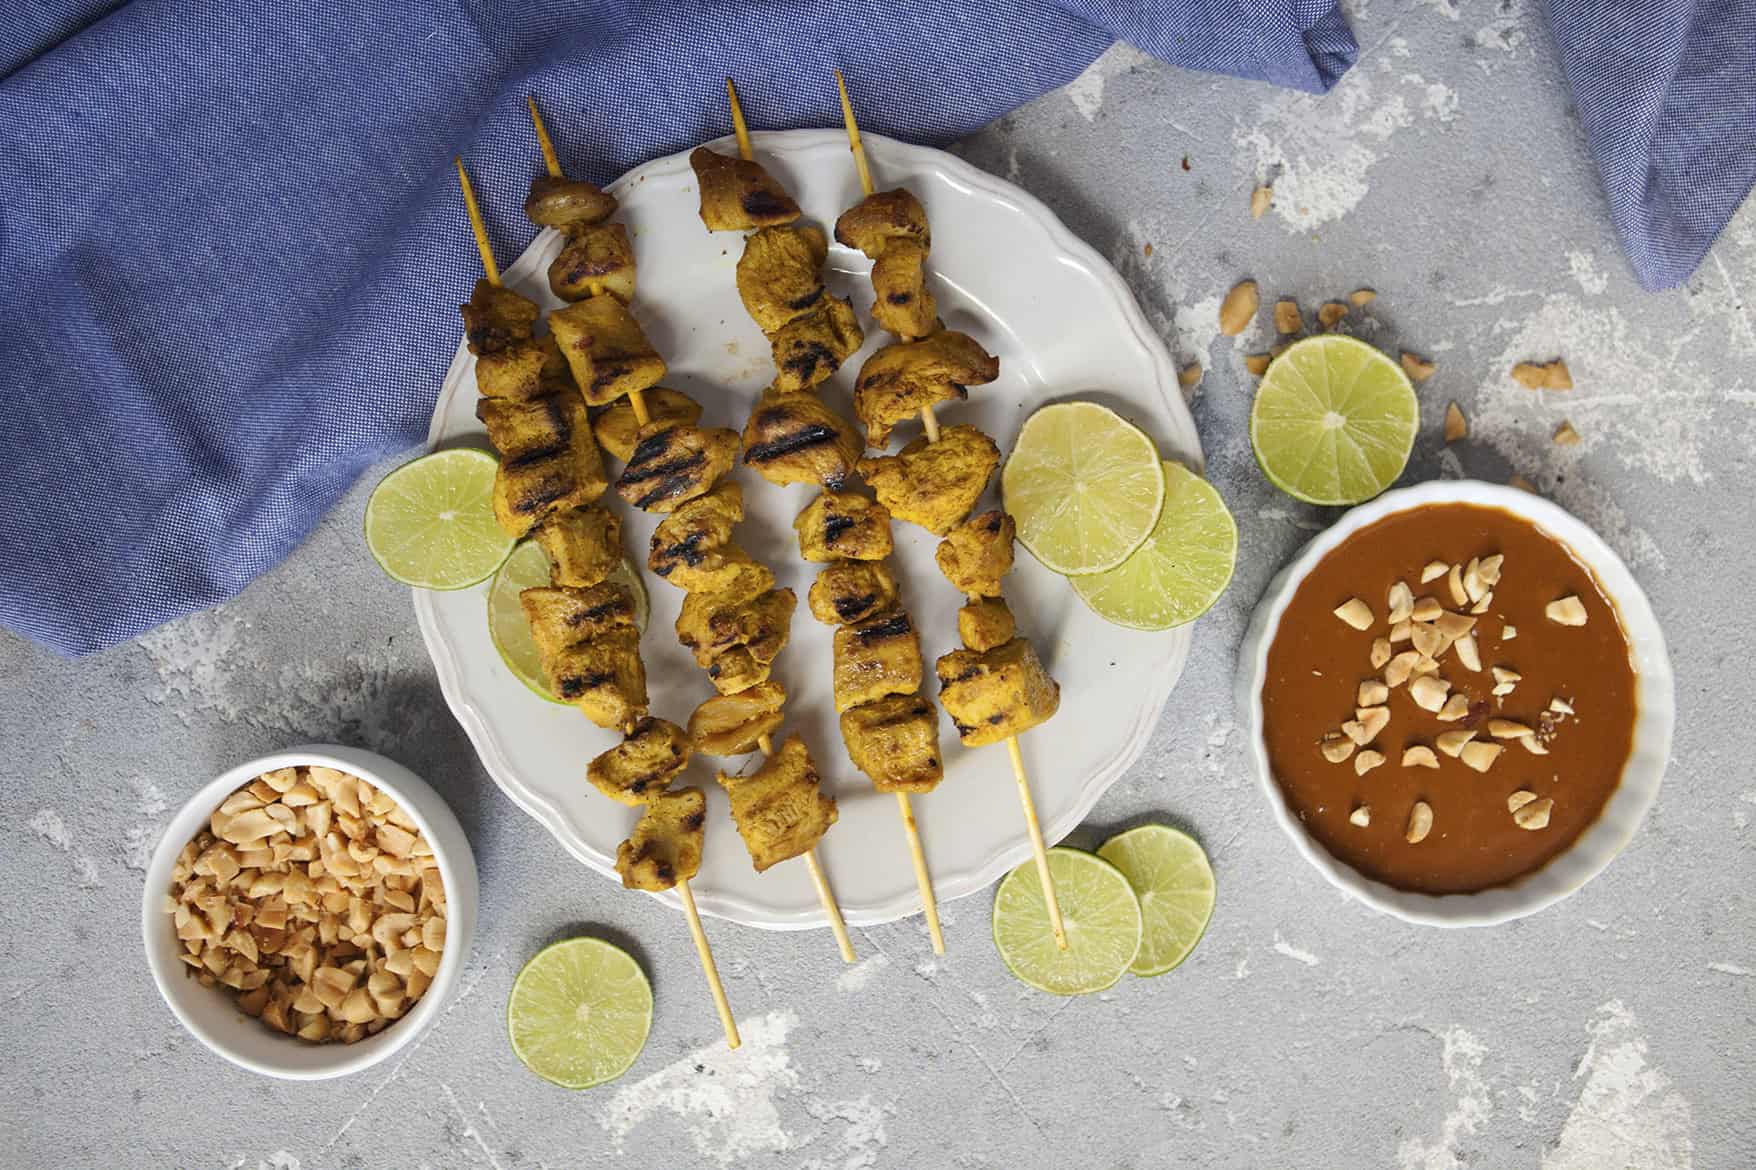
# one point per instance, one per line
(233, 249)
(1666, 90)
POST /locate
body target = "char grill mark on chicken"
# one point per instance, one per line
(618, 431)
(590, 649)
(780, 809)
(809, 349)
(691, 547)
(902, 379)
(735, 724)
(738, 195)
(843, 526)
(595, 260)
(643, 764)
(877, 657)
(977, 553)
(998, 693)
(934, 484)
(606, 349)
(674, 464)
(794, 438)
(548, 459)
(712, 625)
(780, 274)
(852, 591)
(665, 847)
(895, 742)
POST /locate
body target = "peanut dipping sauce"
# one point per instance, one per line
(1317, 661)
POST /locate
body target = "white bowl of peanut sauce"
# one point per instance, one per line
(1478, 746)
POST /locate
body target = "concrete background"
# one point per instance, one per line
(1448, 172)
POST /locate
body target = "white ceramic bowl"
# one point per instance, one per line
(1655, 706)
(211, 1014)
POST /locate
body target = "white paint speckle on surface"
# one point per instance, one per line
(862, 1138)
(141, 832)
(52, 830)
(1585, 271)
(1283, 947)
(1471, 1106)
(1628, 1114)
(724, 1097)
(1086, 91)
(1730, 969)
(856, 977)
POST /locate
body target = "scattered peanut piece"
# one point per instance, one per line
(1366, 761)
(1374, 693)
(1361, 816)
(1189, 375)
(1427, 609)
(1402, 631)
(1433, 571)
(1380, 653)
(1260, 201)
(1355, 613)
(1483, 605)
(1480, 755)
(1420, 823)
(1561, 706)
(1429, 642)
(1519, 799)
(1257, 363)
(1565, 435)
(1399, 669)
(1429, 692)
(1238, 308)
(1534, 814)
(1336, 747)
(1361, 297)
(1533, 745)
(1419, 756)
(1456, 426)
(1508, 729)
(1286, 316)
(1331, 313)
(1569, 611)
(1467, 652)
(1530, 375)
(1418, 368)
(1508, 632)
(1559, 376)
(1454, 582)
(1452, 743)
(1400, 601)
(1373, 719)
(1455, 708)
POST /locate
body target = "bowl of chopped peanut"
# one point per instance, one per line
(308, 913)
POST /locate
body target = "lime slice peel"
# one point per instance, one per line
(1180, 571)
(579, 1013)
(1170, 874)
(430, 523)
(1098, 909)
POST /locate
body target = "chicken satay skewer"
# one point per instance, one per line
(911, 831)
(637, 401)
(930, 423)
(491, 270)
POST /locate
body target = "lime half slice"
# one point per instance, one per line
(1180, 571)
(1170, 874)
(430, 523)
(1334, 421)
(579, 1013)
(527, 568)
(1083, 485)
(1098, 910)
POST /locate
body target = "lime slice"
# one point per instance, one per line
(579, 1013)
(1084, 486)
(1334, 421)
(1098, 909)
(527, 568)
(1170, 874)
(1180, 571)
(430, 523)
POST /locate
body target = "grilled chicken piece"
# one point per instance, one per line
(934, 484)
(985, 624)
(895, 742)
(737, 195)
(811, 348)
(559, 202)
(497, 317)
(900, 300)
(871, 225)
(713, 625)
(736, 671)
(995, 694)
(733, 725)
(795, 438)
(643, 764)
(877, 657)
(596, 259)
(584, 545)
(838, 525)
(609, 354)
(780, 809)
(675, 463)
(900, 379)
(618, 431)
(977, 553)
(521, 370)
(852, 591)
(665, 847)
(548, 459)
(590, 650)
(692, 549)
(780, 274)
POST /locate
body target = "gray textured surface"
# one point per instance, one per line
(1614, 1030)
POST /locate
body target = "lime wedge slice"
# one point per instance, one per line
(1083, 485)
(579, 1013)
(1098, 909)
(1334, 421)
(1170, 874)
(430, 523)
(1180, 571)
(527, 568)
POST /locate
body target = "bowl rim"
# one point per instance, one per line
(457, 870)
(1655, 718)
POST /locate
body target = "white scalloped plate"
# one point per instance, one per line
(1063, 323)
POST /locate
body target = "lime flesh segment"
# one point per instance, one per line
(430, 523)
(1180, 571)
(1334, 421)
(579, 1013)
(1083, 485)
(1098, 909)
(1170, 875)
(528, 568)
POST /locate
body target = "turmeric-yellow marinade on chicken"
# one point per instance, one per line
(735, 724)
(673, 464)
(643, 764)
(584, 545)
(665, 847)
(934, 484)
(590, 649)
(780, 809)
(795, 438)
(902, 379)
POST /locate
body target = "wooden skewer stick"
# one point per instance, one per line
(930, 422)
(708, 967)
(923, 877)
(825, 895)
(636, 398)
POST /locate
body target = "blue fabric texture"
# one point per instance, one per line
(234, 250)
(1666, 90)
